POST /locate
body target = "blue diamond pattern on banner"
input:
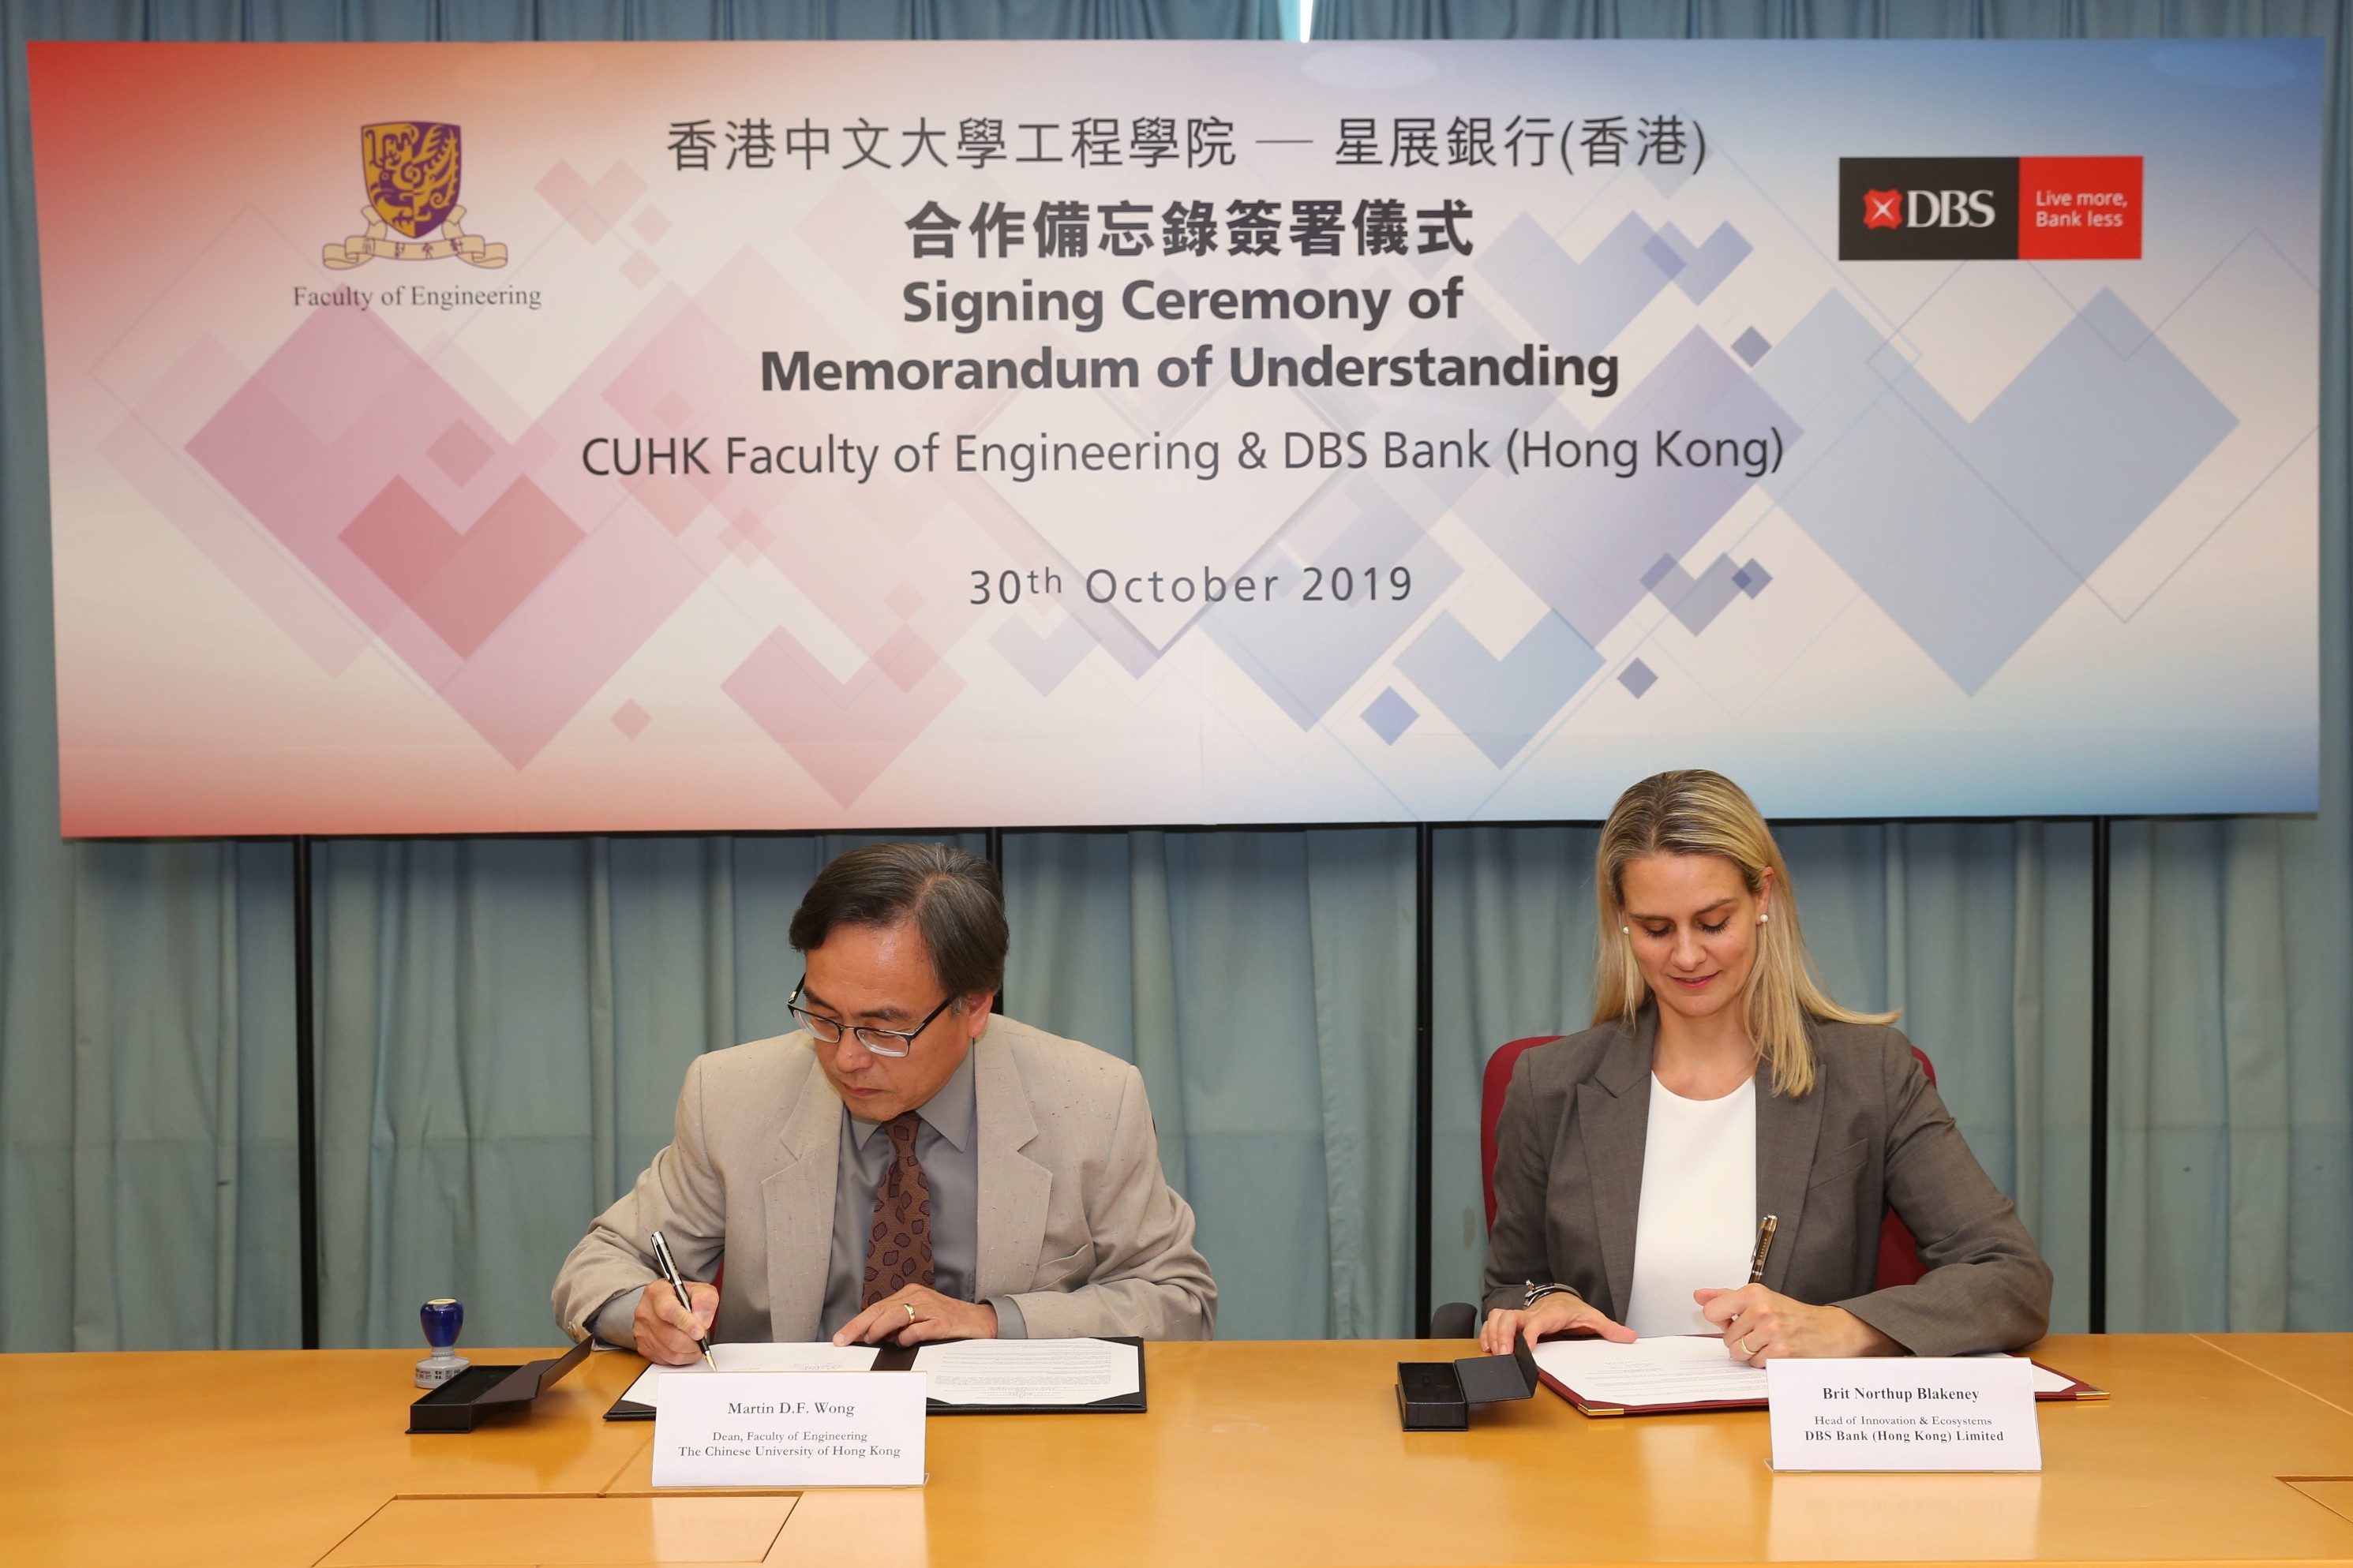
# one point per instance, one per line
(1306, 656)
(1972, 585)
(1824, 383)
(1499, 704)
(1453, 413)
(1044, 661)
(1390, 715)
(1637, 677)
(1696, 602)
(2088, 438)
(1576, 302)
(1971, 534)
(1703, 266)
(1581, 538)
(1751, 346)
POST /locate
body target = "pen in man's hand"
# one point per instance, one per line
(670, 1268)
(1765, 1229)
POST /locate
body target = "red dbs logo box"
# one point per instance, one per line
(1990, 209)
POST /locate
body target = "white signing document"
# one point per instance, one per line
(1674, 1369)
(753, 1357)
(1030, 1371)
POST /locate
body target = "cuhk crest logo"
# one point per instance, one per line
(412, 169)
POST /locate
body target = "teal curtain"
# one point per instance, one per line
(1263, 982)
(2231, 1117)
(503, 1024)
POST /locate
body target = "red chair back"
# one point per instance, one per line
(1899, 1252)
(1491, 1108)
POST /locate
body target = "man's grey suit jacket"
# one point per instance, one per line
(1077, 1224)
(1872, 1133)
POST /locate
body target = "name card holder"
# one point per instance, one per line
(1903, 1412)
(790, 1429)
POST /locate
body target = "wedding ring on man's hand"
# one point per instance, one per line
(1745, 1350)
(911, 1309)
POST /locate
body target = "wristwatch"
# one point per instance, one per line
(1538, 1292)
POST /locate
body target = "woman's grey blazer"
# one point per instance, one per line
(1871, 1134)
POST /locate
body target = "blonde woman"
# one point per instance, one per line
(1720, 1084)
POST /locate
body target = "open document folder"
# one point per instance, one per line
(1004, 1376)
(1690, 1372)
(968, 1377)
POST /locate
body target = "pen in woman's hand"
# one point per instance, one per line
(1765, 1229)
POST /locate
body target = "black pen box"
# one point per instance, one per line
(481, 1392)
(1429, 1397)
(1437, 1396)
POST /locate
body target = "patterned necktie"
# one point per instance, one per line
(899, 1243)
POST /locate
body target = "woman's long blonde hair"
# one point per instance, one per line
(1695, 812)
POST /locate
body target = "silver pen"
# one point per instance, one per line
(670, 1269)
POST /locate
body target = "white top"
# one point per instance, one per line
(1697, 1223)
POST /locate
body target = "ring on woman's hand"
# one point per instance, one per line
(1744, 1342)
(911, 1309)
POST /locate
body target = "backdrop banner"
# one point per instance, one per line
(668, 436)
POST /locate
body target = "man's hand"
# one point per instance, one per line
(1559, 1313)
(1759, 1325)
(665, 1331)
(916, 1315)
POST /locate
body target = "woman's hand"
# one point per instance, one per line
(1559, 1313)
(1759, 1325)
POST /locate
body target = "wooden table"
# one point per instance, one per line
(2318, 1363)
(1253, 1453)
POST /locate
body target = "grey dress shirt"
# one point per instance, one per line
(946, 1146)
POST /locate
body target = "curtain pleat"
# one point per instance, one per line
(1262, 982)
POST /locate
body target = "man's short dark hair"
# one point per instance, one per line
(956, 901)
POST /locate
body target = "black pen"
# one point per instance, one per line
(670, 1268)
(1765, 1229)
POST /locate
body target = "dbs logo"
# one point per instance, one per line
(1988, 209)
(1948, 209)
(1928, 210)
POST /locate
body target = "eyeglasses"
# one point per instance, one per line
(881, 1042)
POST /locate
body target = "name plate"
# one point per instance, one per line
(790, 1429)
(1903, 1412)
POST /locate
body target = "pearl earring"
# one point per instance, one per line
(1625, 930)
(1762, 918)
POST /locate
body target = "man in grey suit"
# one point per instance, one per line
(907, 1165)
